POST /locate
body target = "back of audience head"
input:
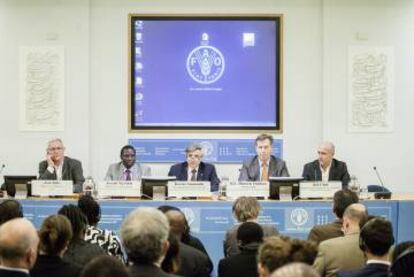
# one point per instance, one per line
(354, 216)
(18, 243)
(55, 235)
(403, 264)
(186, 235)
(77, 220)
(246, 208)
(248, 233)
(177, 222)
(342, 199)
(278, 251)
(295, 270)
(104, 266)
(400, 248)
(376, 237)
(10, 209)
(144, 234)
(90, 208)
(171, 262)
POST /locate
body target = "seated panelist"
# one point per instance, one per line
(326, 168)
(57, 166)
(264, 164)
(128, 169)
(194, 169)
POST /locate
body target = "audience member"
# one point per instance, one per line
(10, 209)
(264, 164)
(341, 200)
(18, 247)
(57, 166)
(192, 261)
(144, 234)
(55, 235)
(400, 248)
(79, 251)
(326, 168)
(343, 253)
(172, 262)
(187, 236)
(295, 270)
(128, 168)
(249, 237)
(105, 266)
(376, 238)
(105, 239)
(278, 251)
(194, 169)
(404, 264)
(245, 209)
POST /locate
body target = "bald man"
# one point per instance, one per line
(18, 247)
(326, 168)
(193, 262)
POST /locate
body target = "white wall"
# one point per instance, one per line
(316, 36)
(384, 22)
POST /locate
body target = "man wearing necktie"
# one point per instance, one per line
(194, 169)
(128, 169)
(264, 164)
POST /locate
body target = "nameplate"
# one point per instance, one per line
(52, 187)
(251, 189)
(318, 189)
(182, 189)
(119, 189)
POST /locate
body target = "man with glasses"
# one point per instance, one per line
(59, 167)
(128, 169)
(194, 169)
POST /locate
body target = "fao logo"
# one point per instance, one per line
(205, 63)
(299, 216)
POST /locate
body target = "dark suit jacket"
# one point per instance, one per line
(53, 266)
(250, 170)
(81, 252)
(370, 270)
(193, 262)
(145, 270)
(243, 264)
(323, 232)
(197, 244)
(72, 170)
(12, 273)
(206, 172)
(338, 172)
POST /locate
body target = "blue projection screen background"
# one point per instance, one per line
(205, 72)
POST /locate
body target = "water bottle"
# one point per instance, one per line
(88, 186)
(223, 185)
(354, 185)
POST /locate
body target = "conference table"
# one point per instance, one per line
(209, 220)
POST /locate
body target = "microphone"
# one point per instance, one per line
(2, 168)
(382, 194)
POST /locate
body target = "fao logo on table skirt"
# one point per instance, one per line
(299, 217)
(205, 63)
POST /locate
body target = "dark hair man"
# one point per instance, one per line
(264, 164)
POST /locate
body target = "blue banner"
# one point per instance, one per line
(215, 150)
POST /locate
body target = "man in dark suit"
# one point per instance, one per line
(341, 200)
(326, 168)
(264, 164)
(194, 263)
(375, 239)
(249, 237)
(18, 247)
(144, 234)
(194, 169)
(58, 167)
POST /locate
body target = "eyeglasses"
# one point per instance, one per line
(128, 155)
(193, 156)
(55, 148)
